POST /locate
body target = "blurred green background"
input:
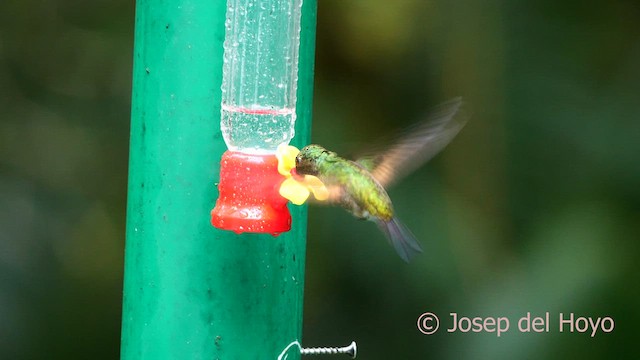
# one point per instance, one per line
(534, 207)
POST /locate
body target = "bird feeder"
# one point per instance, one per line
(258, 113)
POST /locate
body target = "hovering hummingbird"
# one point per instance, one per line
(359, 186)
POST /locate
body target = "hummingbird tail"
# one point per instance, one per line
(401, 238)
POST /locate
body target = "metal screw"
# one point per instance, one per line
(350, 350)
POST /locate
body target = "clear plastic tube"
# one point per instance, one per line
(260, 74)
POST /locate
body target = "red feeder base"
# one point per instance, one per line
(249, 200)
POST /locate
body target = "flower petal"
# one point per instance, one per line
(317, 187)
(286, 155)
(294, 191)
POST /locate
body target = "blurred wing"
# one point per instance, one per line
(418, 145)
(334, 198)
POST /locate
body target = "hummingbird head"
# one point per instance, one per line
(307, 159)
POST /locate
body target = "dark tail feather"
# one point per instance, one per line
(400, 238)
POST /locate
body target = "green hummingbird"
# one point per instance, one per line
(359, 186)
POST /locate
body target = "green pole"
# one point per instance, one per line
(192, 291)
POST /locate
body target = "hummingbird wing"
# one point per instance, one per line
(417, 145)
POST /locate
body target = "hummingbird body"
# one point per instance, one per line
(359, 186)
(354, 188)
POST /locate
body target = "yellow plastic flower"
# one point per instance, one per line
(296, 188)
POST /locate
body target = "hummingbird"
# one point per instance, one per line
(360, 186)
